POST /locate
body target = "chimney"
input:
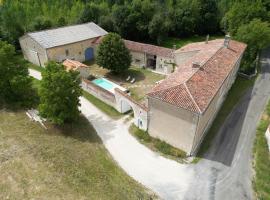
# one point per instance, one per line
(227, 40)
(196, 65)
(207, 39)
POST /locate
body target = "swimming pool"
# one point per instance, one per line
(107, 85)
(103, 83)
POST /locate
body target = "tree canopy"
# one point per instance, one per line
(113, 54)
(242, 12)
(59, 94)
(147, 21)
(15, 84)
(257, 35)
(135, 19)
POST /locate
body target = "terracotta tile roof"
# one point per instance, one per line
(144, 48)
(73, 64)
(202, 84)
(149, 49)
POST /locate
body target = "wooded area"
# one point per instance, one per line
(140, 20)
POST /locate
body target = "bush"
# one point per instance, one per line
(140, 134)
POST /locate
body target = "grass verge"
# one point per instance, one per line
(236, 92)
(107, 109)
(59, 163)
(179, 42)
(157, 145)
(261, 159)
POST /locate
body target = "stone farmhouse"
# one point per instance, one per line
(183, 106)
(70, 42)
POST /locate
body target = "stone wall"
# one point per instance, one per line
(140, 111)
(32, 51)
(164, 65)
(99, 93)
(74, 51)
(174, 125)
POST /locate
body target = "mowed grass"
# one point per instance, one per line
(107, 109)
(261, 159)
(58, 163)
(180, 42)
(238, 89)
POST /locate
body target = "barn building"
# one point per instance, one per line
(70, 42)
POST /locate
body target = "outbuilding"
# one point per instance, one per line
(69, 42)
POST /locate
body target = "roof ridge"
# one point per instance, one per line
(149, 44)
(165, 89)
(192, 97)
(55, 28)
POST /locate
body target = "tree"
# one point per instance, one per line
(208, 20)
(40, 24)
(185, 18)
(159, 27)
(113, 54)
(59, 94)
(15, 84)
(242, 12)
(90, 13)
(120, 14)
(257, 35)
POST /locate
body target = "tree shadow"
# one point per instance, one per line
(133, 73)
(81, 130)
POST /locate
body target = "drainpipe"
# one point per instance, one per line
(195, 134)
(38, 59)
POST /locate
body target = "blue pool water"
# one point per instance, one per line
(103, 83)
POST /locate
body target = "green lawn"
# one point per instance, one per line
(236, 92)
(157, 145)
(261, 158)
(107, 109)
(179, 42)
(58, 163)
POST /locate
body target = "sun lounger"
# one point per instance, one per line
(133, 80)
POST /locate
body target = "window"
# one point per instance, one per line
(137, 60)
(67, 52)
(80, 53)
